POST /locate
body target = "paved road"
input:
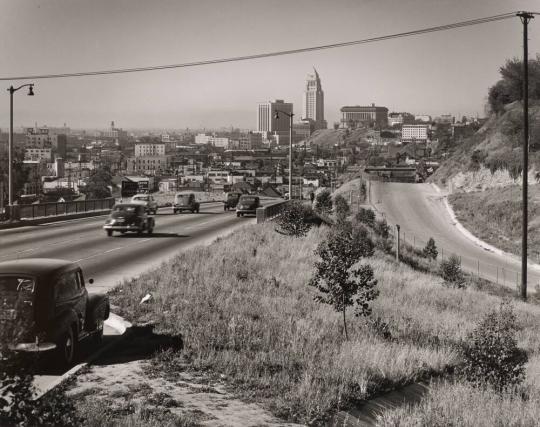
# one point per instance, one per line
(419, 210)
(108, 260)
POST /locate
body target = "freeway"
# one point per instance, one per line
(420, 211)
(108, 260)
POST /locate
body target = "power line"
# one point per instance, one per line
(272, 54)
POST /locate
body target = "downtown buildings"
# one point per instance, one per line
(313, 101)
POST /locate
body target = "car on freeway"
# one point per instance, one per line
(185, 202)
(231, 201)
(126, 217)
(45, 307)
(247, 205)
(147, 200)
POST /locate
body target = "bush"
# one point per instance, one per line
(490, 351)
(342, 208)
(451, 272)
(296, 219)
(430, 251)
(366, 216)
(323, 202)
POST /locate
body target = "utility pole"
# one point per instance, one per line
(525, 18)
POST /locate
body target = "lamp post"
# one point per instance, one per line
(11, 90)
(290, 116)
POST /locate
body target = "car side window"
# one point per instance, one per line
(67, 286)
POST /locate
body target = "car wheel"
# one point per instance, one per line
(225, 208)
(66, 348)
(197, 210)
(238, 214)
(139, 232)
(109, 233)
(150, 230)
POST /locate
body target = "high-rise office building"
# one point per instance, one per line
(266, 116)
(313, 101)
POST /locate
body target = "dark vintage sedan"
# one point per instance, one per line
(44, 306)
(126, 217)
(247, 205)
(231, 201)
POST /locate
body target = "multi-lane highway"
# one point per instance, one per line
(420, 211)
(109, 259)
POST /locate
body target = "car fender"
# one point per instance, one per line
(98, 307)
(62, 323)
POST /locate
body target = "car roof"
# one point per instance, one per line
(36, 266)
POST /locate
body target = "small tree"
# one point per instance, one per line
(451, 271)
(342, 207)
(295, 219)
(340, 282)
(430, 251)
(490, 351)
(323, 202)
(366, 216)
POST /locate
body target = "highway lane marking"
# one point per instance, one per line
(113, 250)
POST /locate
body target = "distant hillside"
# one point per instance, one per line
(326, 138)
(493, 156)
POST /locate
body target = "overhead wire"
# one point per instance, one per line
(271, 54)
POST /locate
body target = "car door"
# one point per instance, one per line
(70, 297)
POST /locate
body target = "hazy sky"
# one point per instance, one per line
(437, 73)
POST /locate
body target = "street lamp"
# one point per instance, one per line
(11, 90)
(290, 116)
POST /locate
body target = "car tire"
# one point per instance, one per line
(98, 334)
(109, 233)
(150, 230)
(238, 214)
(197, 210)
(67, 348)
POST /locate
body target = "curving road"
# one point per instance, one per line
(420, 211)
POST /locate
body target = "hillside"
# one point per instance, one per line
(492, 157)
(327, 138)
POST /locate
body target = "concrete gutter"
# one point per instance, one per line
(115, 322)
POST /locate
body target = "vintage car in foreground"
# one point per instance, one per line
(247, 205)
(126, 217)
(44, 306)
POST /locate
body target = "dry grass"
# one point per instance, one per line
(495, 216)
(245, 311)
(462, 405)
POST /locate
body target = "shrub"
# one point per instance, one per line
(430, 251)
(342, 207)
(382, 229)
(323, 202)
(490, 351)
(339, 284)
(451, 272)
(296, 219)
(366, 216)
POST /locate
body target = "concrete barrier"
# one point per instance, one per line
(269, 212)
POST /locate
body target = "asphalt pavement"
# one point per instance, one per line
(420, 211)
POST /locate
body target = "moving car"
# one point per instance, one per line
(44, 306)
(126, 217)
(231, 201)
(147, 200)
(247, 204)
(185, 202)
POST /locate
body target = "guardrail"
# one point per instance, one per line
(40, 210)
(268, 212)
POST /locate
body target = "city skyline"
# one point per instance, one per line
(446, 72)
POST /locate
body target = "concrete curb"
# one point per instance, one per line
(114, 321)
(46, 220)
(484, 245)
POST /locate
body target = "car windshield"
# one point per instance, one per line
(16, 284)
(125, 209)
(247, 199)
(232, 196)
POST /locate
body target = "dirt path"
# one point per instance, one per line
(130, 378)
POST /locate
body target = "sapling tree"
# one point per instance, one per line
(341, 281)
(430, 251)
(323, 202)
(342, 208)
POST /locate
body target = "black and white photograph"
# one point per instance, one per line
(248, 213)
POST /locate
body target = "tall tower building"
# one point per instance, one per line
(313, 101)
(267, 122)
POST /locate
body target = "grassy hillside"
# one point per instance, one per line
(496, 146)
(328, 138)
(495, 216)
(246, 314)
